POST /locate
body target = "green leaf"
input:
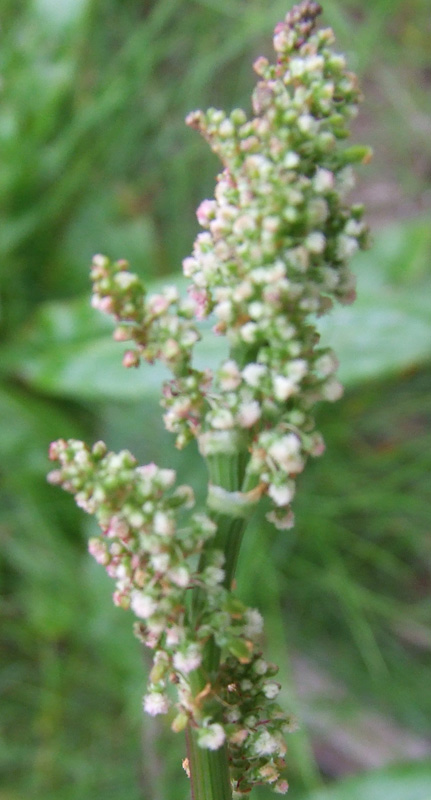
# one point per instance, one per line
(400, 782)
(357, 154)
(67, 351)
(239, 649)
(29, 425)
(388, 328)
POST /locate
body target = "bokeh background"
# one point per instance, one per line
(95, 157)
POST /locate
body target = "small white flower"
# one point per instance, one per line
(213, 576)
(206, 212)
(233, 715)
(253, 373)
(269, 772)
(314, 63)
(209, 264)
(156, 703)
(297, 67)
(283, 387)
(224, 310)
(317, 445)
(226, 129)
(354, 228)
(188, 660)
(163, 524)
(347, 246)
(260, 666)
(98, 550)
(190, 266)
(297, 369)
(271, 224)
(291, 159)
(174, 635)
(171, 293)
(187, 495)
(271, 689)
(160, 562)
(222, 419)
(249, 332)
(256, 310)
(323, 180)
(282, 522)
(331, 278)
(317, 210)
(266, 745)
(299, 258)
(157, 304)
(212, 737)
(315, 242)
(180, 576)
(142, 604)
(252, 628)
(327, 364)
(285, 452)
(281, 787)
(125, 279)
(136, 519)
(332, 390)
(248, 414)
(100, 261)
(345, 180)
(243, 291)
(229, 375)
(282, 495)
(244, 224)
(307, 124)
(82, 457)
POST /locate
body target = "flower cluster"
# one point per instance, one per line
(160, 324)
(255, 725)
(272, 257)
(141, 546)
(275, 250)
(161, 327)
(153, 561)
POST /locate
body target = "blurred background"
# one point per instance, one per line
(95, 157)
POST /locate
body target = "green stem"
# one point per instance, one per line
(209, 770)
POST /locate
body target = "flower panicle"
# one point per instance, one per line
(160, 325)
(273, 256)
(275, 249)
(150, 557)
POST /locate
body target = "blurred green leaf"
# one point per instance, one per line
(399, 782)
(58, 15)
(66, 351)
(388, 328)
(29, 425)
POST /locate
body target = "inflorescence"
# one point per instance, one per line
(151, 547)
(272, 257)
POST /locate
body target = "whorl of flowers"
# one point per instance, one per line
(273, 256)
(149, 546)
